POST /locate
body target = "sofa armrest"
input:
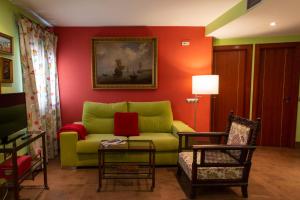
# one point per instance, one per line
(179, 126)
(68, 155)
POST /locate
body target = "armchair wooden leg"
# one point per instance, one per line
(179, 171)
(245, 191)
(192, 192)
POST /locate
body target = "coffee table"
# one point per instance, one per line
(139, 169)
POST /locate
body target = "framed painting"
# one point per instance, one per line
(6, 44)
(124, 63)
(6, 70)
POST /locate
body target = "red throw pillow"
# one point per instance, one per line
(79, 128)
(126, 124)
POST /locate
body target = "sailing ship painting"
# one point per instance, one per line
(124, 63)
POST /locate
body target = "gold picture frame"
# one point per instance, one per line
(124, 63)
(6, 44)
(6, 70)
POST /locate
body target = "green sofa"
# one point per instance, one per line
(155, 123)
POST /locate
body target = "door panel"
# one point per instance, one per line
(276, 92)
(233, 65)
(271, 90)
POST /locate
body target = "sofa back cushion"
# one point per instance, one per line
(153, 116)
(98, 118)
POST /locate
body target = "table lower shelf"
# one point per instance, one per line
(128, 171)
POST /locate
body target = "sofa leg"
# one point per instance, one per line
(245, 191)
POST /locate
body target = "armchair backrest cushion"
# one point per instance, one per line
(154, 117)
(238, 134)
(98, 118)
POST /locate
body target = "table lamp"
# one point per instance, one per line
(202, 85)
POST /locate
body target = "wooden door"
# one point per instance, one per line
(276, 83)
(233, 65)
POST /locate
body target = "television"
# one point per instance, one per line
(13, 115)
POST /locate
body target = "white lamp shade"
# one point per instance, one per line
(205, 84)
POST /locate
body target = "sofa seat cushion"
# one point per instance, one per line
(185, 160)
(162, 141)
(92, 142)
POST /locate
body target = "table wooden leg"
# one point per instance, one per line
(99, 171)
(150, 165)
(44, 162)
(15, 173)
(153, 170)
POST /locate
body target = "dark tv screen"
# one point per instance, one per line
(13, 116)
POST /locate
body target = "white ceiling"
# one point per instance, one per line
(128, 12)
(286, 13)
(254, 23)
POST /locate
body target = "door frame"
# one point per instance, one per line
(248, 74)
(256, 80)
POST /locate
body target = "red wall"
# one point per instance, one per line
(176, 65)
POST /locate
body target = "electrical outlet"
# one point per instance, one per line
(185, 43)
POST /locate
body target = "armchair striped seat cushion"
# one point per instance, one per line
(210, 173)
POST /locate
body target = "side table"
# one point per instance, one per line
(38, 161)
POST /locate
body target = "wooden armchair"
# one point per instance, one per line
(225, 164)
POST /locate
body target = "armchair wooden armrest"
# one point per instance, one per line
(202, 134)
(222, 147)
(184, 137)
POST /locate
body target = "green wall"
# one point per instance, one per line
(8, 17)
(8, 25)
(262, 40)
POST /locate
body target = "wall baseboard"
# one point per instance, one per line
(297, 145)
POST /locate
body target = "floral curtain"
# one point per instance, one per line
(38, 60)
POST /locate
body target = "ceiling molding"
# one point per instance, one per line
(232, 14)
(256, 40)
(257, 21)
